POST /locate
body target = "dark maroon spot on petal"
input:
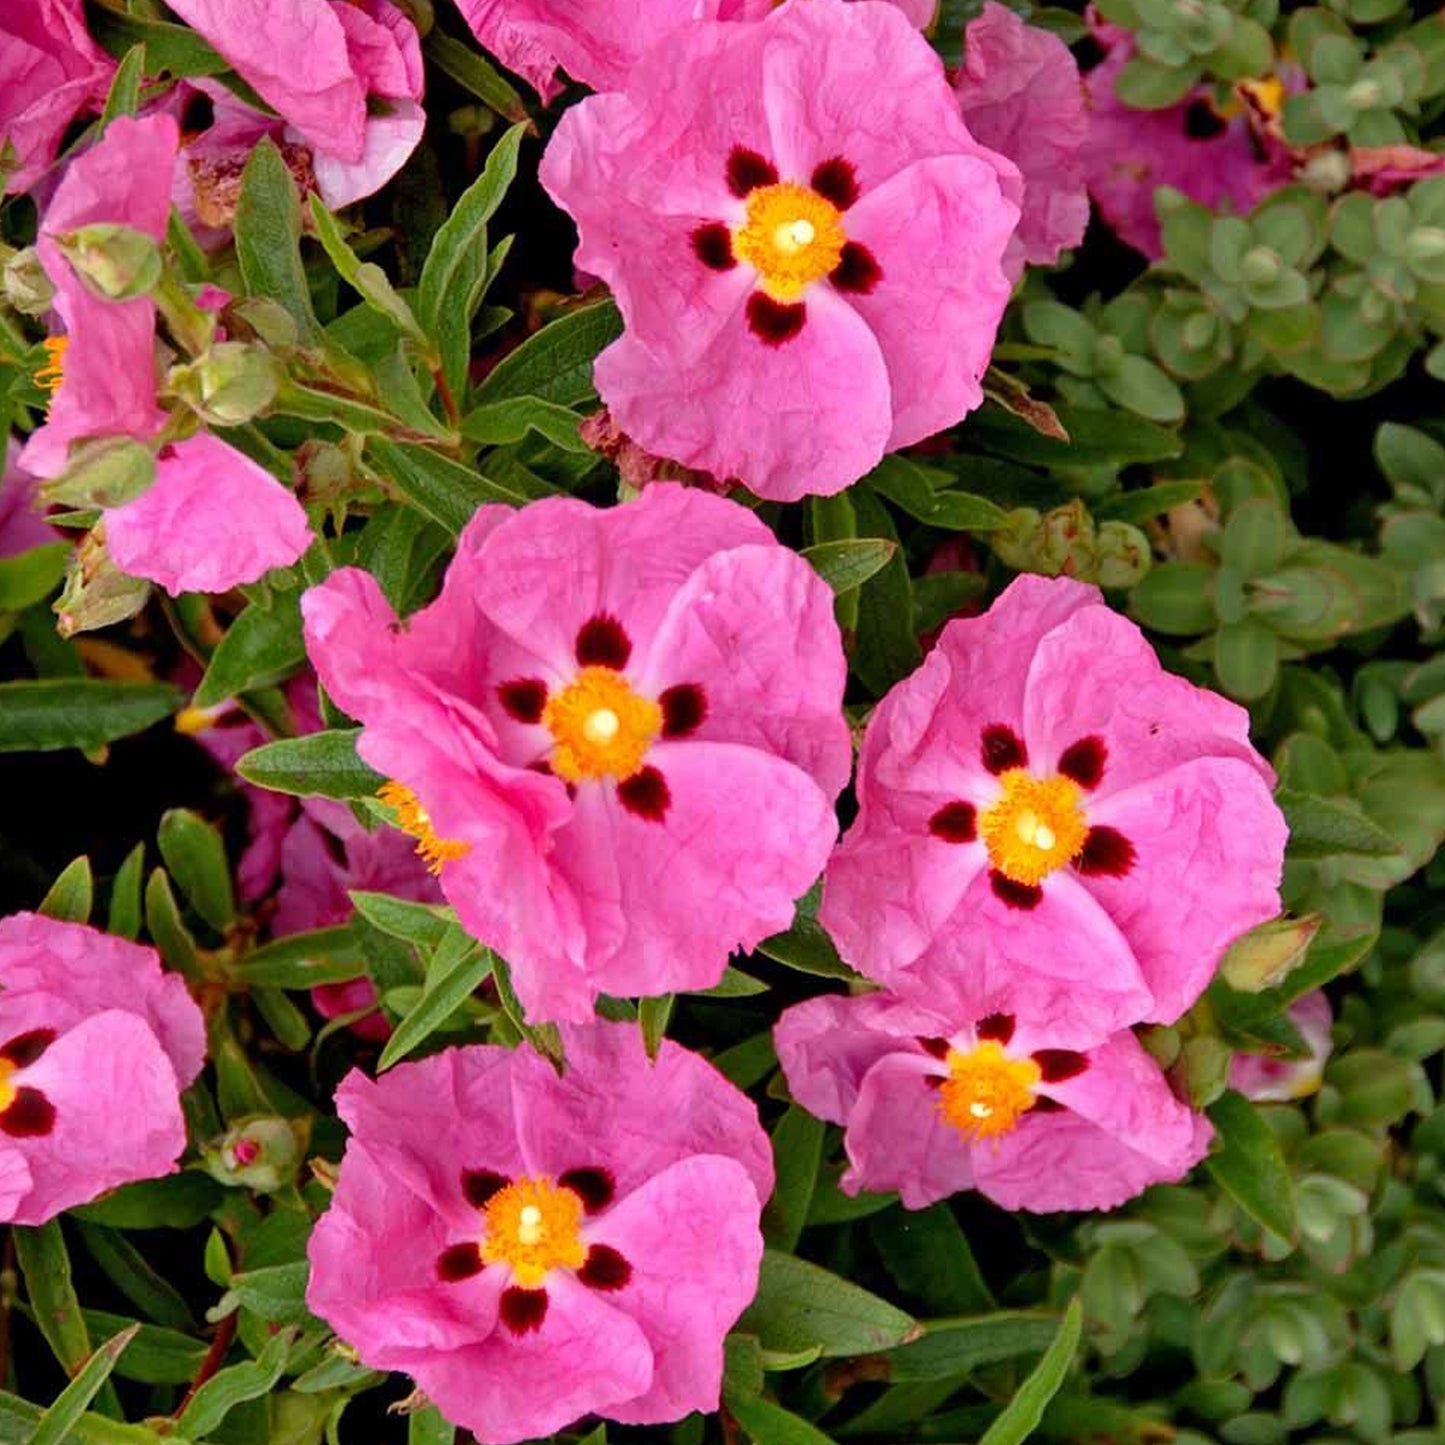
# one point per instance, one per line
(605, 1268)
(747, 170)
(645, 793)
(683, 709)
(1003, 749)
(524, 698)
(25, 1048)
(1083, 761)
(595, 1187)
(836, 180)
(1056, 1065)
(459, 1261)
(603, 642)
(478, 1186)
(998, 1027)
(934, 1081)
(198, 114)
(1023, 896)
(955, 823)
(775, 322)
(712, 244)
(1106, 853)
(938, 1048)
(523, 1310)
(29, 1116)
(856, 270)
(1044, 1105)
(1202, 122)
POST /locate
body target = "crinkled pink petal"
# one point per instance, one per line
(117, 1114)
(938, 230)
(391, 136)
(15, 1180)
(93, 971)
(212, 519)
(513, 43)
(1021, 95)
(1120, 1131)
(21, 525)
(617, 1110)
(691, 1236)
(898, 1140)
(1267, 1080)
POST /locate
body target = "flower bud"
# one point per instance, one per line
(96, 593)
(117, 261)
(1260, 266)
(230, 384)
(262, 1152)
(27, 287)
(1123, 554)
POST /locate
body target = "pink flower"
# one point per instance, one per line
(1267, 1080)
(1020, 94)
(1052, 826)
(617, 735)
(931, 1107)
(50, 70)
(811, 275)
(21, 525)
(1224, 163)
(213, 518)
(96, 1044)
(356, 101)
(531, 1249)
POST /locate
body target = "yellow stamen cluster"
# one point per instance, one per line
(49, 377)
(986, 1092)
(415, 822)
(792, 237)
(8, 1087)
(602, 729)
(534, 1227)
(1036, 826)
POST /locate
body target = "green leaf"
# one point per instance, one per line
(445, 490)
(1246, 657)
(458, 968)
(18, 1419)
(1096, 438)
(303, 960)
(124, 95)
(847, 565)
(474, 73)
(1255, 537)
(1021, 1416)
(129, 1271)
(545, 1038)
(426, 1427)
(801, 1307)
(504, 423)
(168, 47)
(554, 363)
(797, 1153)
(1266, 955)
(368, 280)
(196, 857)
(276, 1294)
(166, 927)
(1146, 85)
(29, 577)
(423, 924)
(319, 765)
(268, 238)
(770, 1424)
(1324, 827)
(79, 712)
(806, 946)
(654, 1014)
(261, 647)
(1141, 387)
(1143, 503)
(1175, 598)
(917, 491)
(233, 1386)
(45, 1264)
(1250, 1167)
(886, 648)
(72, 894)
(454, 275)
(156, 1356)
(178, 1202)
(125, 896)
(929, 1255)
(57, 1424)
(954, 1346)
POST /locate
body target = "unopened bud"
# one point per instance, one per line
(1123, 553)
(97, 593)
(1198, 332)
(261, 1153)
(117, 261)
(27, 288)
(1327, 171)
(1260, 266)
(103, 474)
(230, 384)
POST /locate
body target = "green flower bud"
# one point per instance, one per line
(1123, 554)
(96, 592)
(1260, 266)
(27, 288)
(1365, 95)
(119, 262)
(1327, 171)
(262, 1153)
(230, 384)
(1198, 333)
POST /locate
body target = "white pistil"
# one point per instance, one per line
(529, 1226)
(601, 726)
(979, 1111)
(792, 236)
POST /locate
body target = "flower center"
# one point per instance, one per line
(986, 1091)
(534, 1227)
(1035, 827)
(8, 1087)
(792, 237)
(601, 728)
(49, 377)
(415, 822)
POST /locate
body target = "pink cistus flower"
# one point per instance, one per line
(1267, 1080)
(1050, 825)
(96, 1044)
(355, 102)
(931, 1107)
(213, 518)
(530, 1248)
(50, 70)
(812, 274)
(1020, 94)
(617, 735)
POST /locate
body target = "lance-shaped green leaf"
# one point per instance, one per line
(72, 894)
(58, 1423)
(1021, 1416)
(262, 646)
(366, 278)
(230, 1387)
(554, 363)
(1248, 1165)
(78, 712)
(45, 1263)
(319, 765)
(847, 565)
(456, 969)
(268, 239)
(196, 857)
